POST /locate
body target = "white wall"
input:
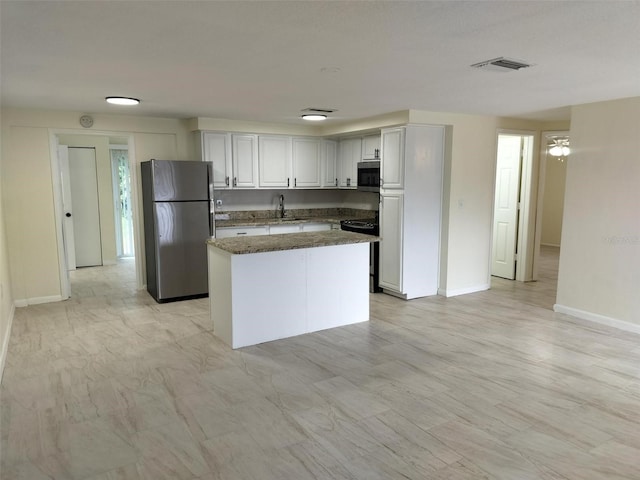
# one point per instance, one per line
(6, 297)
(599, 276)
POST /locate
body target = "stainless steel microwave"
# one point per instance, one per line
(369, 176)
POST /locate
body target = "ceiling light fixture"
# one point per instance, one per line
(122, 100)
(559, 147)
(314, 117)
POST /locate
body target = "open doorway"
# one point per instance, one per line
(510, 231)
(121, 179)
(554, 156)
(119, 243)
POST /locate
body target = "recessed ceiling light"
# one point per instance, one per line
(314, 117)
(122, 100)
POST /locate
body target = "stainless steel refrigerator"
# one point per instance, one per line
(178, 220)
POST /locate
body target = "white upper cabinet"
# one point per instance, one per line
(370, 144)
(349, 154)
(275, 161)
(329, 159)
(392, 159)
(216, 148)
(306, 162)
(245, 161)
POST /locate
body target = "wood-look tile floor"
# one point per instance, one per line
(110, 385)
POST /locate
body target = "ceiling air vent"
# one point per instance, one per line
(318, 110)
(501, 64)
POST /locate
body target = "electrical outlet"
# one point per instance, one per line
(218, 203)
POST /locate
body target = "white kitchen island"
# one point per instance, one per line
(276, 286)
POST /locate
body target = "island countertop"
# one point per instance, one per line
(289, 241)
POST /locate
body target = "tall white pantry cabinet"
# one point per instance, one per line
(410, 209)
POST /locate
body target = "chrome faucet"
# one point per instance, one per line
(281, 206)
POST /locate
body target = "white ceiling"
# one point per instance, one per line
(265, 61)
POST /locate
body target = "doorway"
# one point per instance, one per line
(121, 178)
(511, 206)
(100, 141)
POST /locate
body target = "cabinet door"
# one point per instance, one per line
(216, 148)
(245, 161)
(391, 236)
(329, 159)
(274, 161)
(349, 154)
(306, 162)
(370, 144)
(392, 161)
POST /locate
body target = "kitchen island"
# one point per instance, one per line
(265, 288)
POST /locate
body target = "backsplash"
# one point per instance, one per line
(254, 200)
(296, 212)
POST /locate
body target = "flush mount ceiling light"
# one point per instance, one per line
(122, 100)
(501, 64)
(314, 117)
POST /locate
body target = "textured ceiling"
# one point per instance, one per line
(265, 61)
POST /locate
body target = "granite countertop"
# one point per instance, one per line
(289, 241)
(256, 222)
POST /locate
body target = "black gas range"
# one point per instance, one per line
(369, 226)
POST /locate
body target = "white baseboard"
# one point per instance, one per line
(463, 291)
(597, 318)
(5, 343)
(550, 245)
(24, 302)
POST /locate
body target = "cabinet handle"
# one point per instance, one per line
(336, 182)
(295, 181)
(287, 181)
(348, 182)
(241, 233)
(226, 181)
(235, 181)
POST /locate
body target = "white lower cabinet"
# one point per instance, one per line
(227, 232)
(315, 227)
(288, 228)
(391, 229)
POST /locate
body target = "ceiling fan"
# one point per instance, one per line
(559, 147)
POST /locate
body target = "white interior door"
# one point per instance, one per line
(67, 207)
(86, 214)
(505, 217)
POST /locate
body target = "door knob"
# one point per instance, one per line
(67, 214)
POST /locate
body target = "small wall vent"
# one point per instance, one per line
(501, 64)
